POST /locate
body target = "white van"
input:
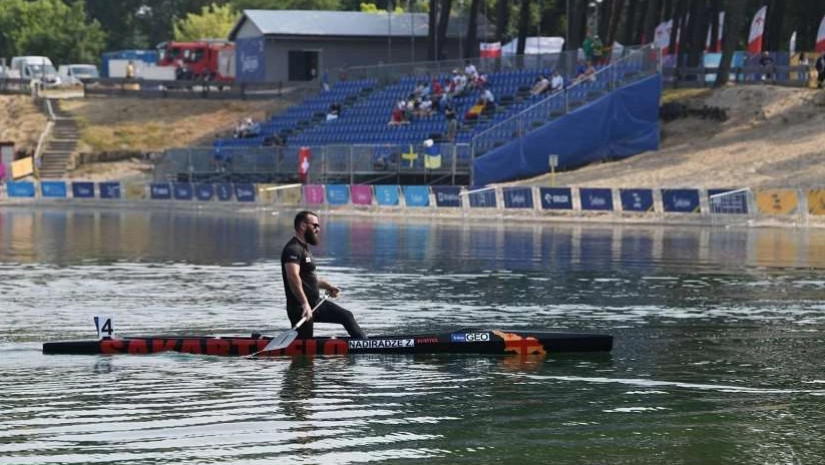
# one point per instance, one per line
(74, 75)
(34, 68)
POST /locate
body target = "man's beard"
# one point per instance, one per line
(311, 237)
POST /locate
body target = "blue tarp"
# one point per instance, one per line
(417, 196)
(53, 189)
(556, 198)
(386, 195)
(109, 190)
(83, 190)
(518, 197)
(637, 200)
(337, 194)
(447, 196)
(600, 199)
(618, 125)
(680, 200)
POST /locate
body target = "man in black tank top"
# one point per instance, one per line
(302, 285)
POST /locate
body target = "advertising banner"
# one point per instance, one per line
(680, 200)
(417, 196)
(777, 201)
(337, 194)
(816, 201)
(53, 190)
(518, 197)
(386, 195)
(224, 192)
(596, 199)
(728, 201)
(245, 192)
(556, 198)
(250, 65)
(109, 190)
(484, 198)
(314, 194)
(204, 192)
(83, 190)
(20, 189)
(160, 191)
(636, 200)
(182, 191)
(447, 196)
(361, 194)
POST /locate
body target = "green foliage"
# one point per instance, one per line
(49, 28)
(241, 5)
(372, 8)
(214, 21)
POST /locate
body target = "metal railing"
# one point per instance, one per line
(637, 64)
(328, 164)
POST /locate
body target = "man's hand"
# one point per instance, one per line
(307, 311)
(333, 291)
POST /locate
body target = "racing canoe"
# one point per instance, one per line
(464, 341)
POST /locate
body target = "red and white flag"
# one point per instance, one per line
(820, 37)
(490, 49)
(717, 47)
(303, 164)
(757, 31)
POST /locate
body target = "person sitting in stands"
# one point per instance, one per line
(540, 85)
(470, 70)
(436, 89)
(452, 123)
(332, 114)
(556, 82)
(487, 97)
(588, 74)
(397, 117)
(475, 110)
(425, 108)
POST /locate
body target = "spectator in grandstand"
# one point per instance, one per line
(333, 112)
(589, 73)
(597, 50)
(409, 107)
(397, 117)
(540, 85)
(452, 123)
(820, 70)
(247, 128)
(470, 70)
(587, 47)
(425, 107)
(435, 89)
(556, 82)
(422, 89)
(768, 71)
(487, 97)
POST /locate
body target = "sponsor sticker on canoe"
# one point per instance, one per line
(381, 343)
(470, 337)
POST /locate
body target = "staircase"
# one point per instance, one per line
(62, 143)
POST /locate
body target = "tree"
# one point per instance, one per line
(432, 23)
(241, 5)
(734, 19)
(213, 22)
(443, 22)
(50, 28)
(523, 23)
(471, 40)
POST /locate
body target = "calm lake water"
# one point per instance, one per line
(718, 351)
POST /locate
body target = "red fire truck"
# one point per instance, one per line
(207, 60)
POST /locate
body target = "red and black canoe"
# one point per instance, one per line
(464, 341)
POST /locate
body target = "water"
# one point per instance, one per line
(717, 358)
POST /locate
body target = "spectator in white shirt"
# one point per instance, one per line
(557, 82)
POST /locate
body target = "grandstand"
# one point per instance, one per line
(365, 111)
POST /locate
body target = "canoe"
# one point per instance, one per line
(463, 341)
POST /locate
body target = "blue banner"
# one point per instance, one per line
(24, 189)
(250, 65)
(182, 191)
(417, 196)
(204, 192)
(245, 192)
(733, 203)
(637, 200)
(680, 200)
(386, 195)
(337, 194)
(224, 192)
(83, 190)
(109, 190)
(160, 191)
(518, 197)
(485, 198)
(598, 199)
(556, 198)
(53, 190)
(447, 196)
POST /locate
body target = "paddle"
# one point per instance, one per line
(284, 339)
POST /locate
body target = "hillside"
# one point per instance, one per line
(20, 122)
(774, 137)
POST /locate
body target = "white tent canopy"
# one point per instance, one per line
(535, 46)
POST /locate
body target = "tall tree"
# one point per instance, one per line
(631, 23)
(432, 33)
(502, 20)
(678, 24)
(577, 23)
(696, 32)
(471, 40)
(616, 13)
(443, 22)
(652, 17)
(214, 21)
(523, 23)
(713, 11)
(734, 20)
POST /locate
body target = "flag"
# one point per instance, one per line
(717, 47)
(820, 37)
(410, 156)
(757, 31)
(662, 35)
(792, 46)
(432, 159)
(490, 49)
(303, 164)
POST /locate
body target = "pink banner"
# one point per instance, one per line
(314, 194)
(361, 194)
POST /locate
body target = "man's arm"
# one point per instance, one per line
(332, 290)
(293, 277)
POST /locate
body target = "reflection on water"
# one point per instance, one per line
(717, 355)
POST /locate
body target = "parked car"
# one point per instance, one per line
(77, 74)
(34, 68)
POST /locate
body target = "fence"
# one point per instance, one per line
(441, 163)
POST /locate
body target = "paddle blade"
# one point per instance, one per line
(281, 341)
